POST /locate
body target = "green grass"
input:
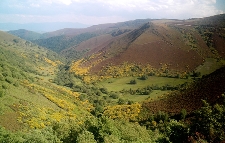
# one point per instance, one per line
(16, 94)
(210, 65)
(155, 95)
(118, 84)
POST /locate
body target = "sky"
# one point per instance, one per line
(93, 12)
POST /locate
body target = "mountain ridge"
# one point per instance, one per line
(147, 41)
(40, 27)
(141, 81)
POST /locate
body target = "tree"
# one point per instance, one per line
(104, 90)
(98, 110)
(114, 95)
(121, 101)
(196, 74)
(183, 114)
(144, 77)
(209, 121)
(45, 135)
(86, 137)
(161, 116)
(177, 132)
(133, 81)
(16, 40)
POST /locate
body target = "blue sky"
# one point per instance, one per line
(92, 12)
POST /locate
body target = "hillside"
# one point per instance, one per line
(21, 61)
(137, 81)
(25, 34)
(175, 45)
(65, 38)
(34, 108)
(209, 88)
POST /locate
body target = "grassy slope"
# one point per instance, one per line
(210, 65)
(30, 96)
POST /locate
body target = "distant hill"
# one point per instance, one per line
(59, 43)
(23, 54)
(40, 27)
(69, 36)
(63, 39)
(26, 34)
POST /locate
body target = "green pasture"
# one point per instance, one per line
(155, 95)
(210, 65)
(118, 84)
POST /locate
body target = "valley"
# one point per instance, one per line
(147, 80)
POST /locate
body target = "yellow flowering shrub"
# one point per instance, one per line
(54, 64)
(127, 112)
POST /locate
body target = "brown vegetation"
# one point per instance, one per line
(209, 88)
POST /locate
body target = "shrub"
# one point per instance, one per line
(86, 137)
(9, 80)
(161, 116)
(144, 77)
(183, 114)
(16, 40)
(133, 81)
(176, 131)
(104, 90)
(5, 86)
(114, 96)
(121, 101)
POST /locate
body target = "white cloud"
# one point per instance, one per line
(165, 8)
(88, 20)
(107, 11)
(66, 2)
(169, 8)
(34, 5)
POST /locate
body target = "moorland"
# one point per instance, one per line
(146, 80)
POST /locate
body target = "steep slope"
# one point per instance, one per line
(91, 45)
(209, 88)
(70, 37)
(180, 45)
(59, 43)
(18, 63)
(34, 109)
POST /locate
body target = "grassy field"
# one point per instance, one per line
(118, 84)
(155, 95)
(209, 66)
